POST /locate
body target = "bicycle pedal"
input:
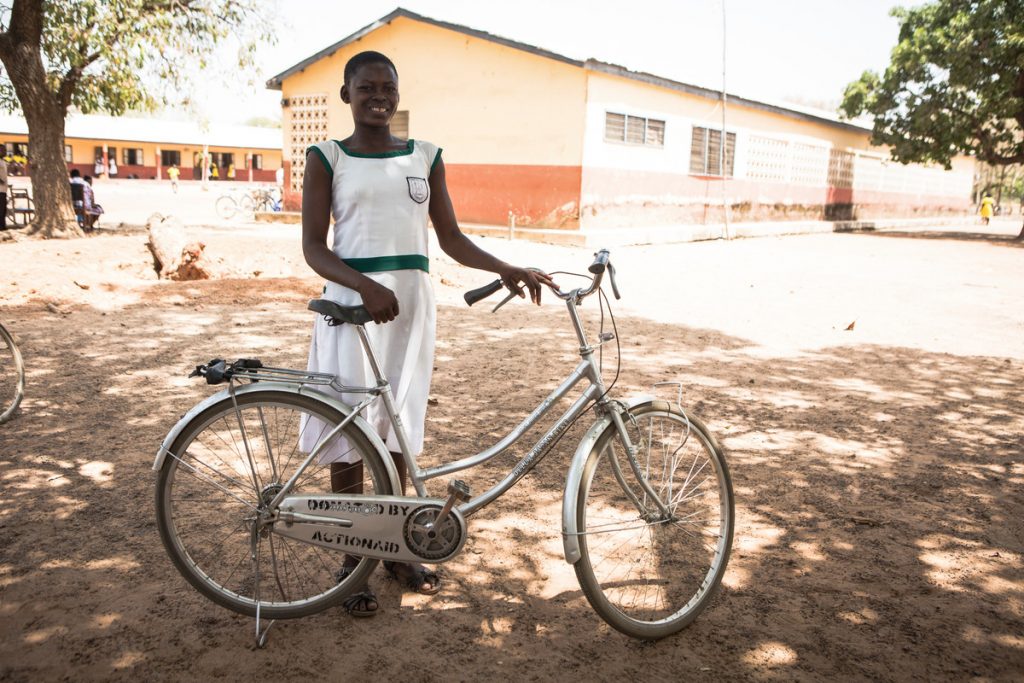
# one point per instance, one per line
(458, 489)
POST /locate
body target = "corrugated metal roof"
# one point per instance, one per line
(274, 83)
(805, 114)
(98, 127)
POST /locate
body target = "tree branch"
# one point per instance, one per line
(27, 22)
(70, 80)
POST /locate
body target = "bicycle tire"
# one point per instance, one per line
(688, 552)
(11, 368)
(204, 529)
(246, 205)
(226, 207)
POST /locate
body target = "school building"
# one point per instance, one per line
(581, 146)
(146, 148)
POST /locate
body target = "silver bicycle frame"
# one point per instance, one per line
(586, 370)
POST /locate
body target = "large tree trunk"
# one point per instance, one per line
(51, 192)
(45, 110)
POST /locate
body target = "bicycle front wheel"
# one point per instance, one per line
(12, 375)
(226, 207)
(222, 471)
(650, 569)
(246, 206)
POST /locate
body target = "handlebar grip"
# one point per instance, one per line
(479, 293)
(600, 261)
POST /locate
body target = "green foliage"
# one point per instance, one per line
(954, 85)
(120, 55)
(263, 122)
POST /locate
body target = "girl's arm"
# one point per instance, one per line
(463, 250)
(379, 301)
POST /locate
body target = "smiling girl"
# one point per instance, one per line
(380, 190)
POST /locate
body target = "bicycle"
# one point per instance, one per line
(227, 205)
(647, 514)
(265, 200)
(12, 376)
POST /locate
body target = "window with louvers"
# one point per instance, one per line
(706, 152)
(634, 130)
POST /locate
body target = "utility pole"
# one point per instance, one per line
(721, 158)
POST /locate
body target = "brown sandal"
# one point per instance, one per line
(361, 603)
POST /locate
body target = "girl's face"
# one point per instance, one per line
(373, 94)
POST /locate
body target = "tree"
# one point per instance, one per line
(954, 85)
(106, 55)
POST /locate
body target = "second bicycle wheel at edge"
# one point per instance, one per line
(208, 493)
(12, 375)
(647, 574)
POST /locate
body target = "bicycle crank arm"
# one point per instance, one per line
(401, 528)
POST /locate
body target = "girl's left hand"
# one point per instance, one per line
(512, 276)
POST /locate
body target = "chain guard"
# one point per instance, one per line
(379, 527)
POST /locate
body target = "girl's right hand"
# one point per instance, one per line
(379, 301)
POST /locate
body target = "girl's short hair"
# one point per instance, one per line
(363, 58)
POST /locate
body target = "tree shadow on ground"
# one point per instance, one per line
(878, 503)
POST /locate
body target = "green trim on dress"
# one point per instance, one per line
(377, 155)
(377, 264)
(323, 158)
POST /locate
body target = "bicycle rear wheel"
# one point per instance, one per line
(12, 375)
(221, 469)
(226, 207)
(647, 573)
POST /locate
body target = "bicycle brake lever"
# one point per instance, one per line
(504, 301)
(611, 276)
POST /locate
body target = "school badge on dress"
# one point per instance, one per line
(418, 189)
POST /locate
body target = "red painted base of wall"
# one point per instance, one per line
(538, 196)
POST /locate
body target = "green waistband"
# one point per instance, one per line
(376, 264)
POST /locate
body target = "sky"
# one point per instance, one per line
(799, 51)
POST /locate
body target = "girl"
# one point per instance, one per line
(380, 190)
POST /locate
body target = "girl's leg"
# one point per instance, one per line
(413, 575)
(348, 478)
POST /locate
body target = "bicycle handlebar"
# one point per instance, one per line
(598, 268)
(479, 293)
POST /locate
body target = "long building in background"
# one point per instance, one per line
(558, 143)
(146, 148)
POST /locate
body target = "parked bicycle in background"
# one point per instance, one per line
(245, 203)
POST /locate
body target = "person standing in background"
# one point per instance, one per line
(172, 174)
(987, 203)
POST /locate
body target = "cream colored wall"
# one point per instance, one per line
(681, 111)
(482, 102)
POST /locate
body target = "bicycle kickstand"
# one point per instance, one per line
(261, 636)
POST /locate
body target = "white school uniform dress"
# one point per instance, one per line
(379, 203)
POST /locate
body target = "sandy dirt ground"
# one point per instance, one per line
(878, 470)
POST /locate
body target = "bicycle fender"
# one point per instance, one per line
(343, 408)
(570, 531)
